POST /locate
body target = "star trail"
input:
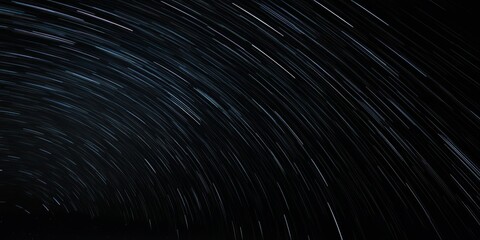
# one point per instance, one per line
(239, 120)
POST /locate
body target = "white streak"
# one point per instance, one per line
(260, 20)
(105, 20)
(334, 14)
(366, 10)
(334, 219)
(273, 60)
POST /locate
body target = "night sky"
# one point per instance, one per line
(297, 119)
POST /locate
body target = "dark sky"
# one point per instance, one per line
(239, 120)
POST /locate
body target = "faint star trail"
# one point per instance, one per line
(238, 120)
